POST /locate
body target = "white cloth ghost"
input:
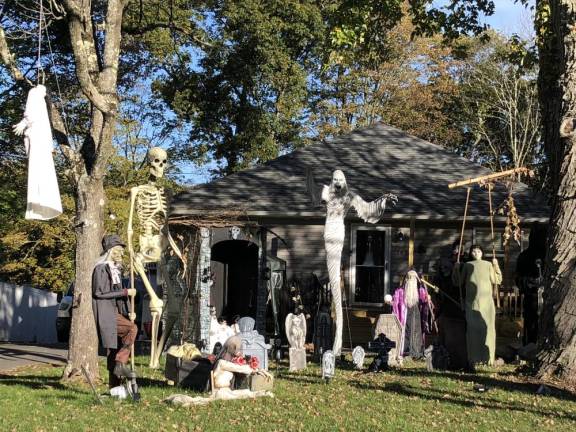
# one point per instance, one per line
(43, 193)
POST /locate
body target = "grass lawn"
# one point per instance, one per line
(407, 399)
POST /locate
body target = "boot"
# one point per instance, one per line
(122, 371)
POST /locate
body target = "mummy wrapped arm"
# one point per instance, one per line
(372, 211)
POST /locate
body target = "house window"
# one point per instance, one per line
(370, 257)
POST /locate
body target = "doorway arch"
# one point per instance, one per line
(238, 274)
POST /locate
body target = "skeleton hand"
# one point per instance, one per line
(495, 262)
(132, 316)
(262, 373)
(131, 292)
(19, 128)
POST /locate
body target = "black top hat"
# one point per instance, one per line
(109, 241)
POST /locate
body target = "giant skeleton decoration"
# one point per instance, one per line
(338, 201)
(149, 203)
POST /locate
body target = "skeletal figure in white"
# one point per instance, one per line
(338, 201)
(221, 379)
(148, 201)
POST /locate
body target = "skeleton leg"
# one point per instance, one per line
(170, 321)
(156, 305)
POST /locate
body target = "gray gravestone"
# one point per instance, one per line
(253, 343)
(358, 355)
(328, 365)
(391, 327)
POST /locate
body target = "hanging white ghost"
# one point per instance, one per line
(43, 200)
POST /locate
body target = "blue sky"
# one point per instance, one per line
(509, 16)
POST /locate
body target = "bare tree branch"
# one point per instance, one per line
(85, 55)
(10, 61)
(140, 30)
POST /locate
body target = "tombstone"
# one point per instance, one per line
(389, 325)
(328, 365)
(253, 343)
(382, 346)
(358, 355)
(296, 335)
(322, 333)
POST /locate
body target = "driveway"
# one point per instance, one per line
(14, 356)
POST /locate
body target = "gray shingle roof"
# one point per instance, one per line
(375, 160)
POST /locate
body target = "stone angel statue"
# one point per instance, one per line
(296, 330)
(338, 200)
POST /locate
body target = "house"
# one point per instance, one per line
(259, 226)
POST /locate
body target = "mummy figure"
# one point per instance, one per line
(148, 202)
(338, 201)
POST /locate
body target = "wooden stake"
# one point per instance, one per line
(481, 179)
(411, 242)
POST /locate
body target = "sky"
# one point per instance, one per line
(510, 17)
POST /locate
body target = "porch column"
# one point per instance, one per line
(205, 280)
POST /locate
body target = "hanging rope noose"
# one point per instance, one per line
(463, 223)
(490, 186)
(38, 63)
(468, 190)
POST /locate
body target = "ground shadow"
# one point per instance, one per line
(488, 381)
(35, 382)
(468, 401)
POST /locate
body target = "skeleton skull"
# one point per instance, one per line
(157, 158)
(235, 232)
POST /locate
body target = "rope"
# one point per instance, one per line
(463, 223)
(38, 63)
(490, 186)
(468, 189)
(348, 321)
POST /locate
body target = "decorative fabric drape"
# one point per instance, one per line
(43, 200)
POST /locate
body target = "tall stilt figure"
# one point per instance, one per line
(338, 201)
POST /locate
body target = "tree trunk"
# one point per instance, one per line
(557, 88)
(83, 338)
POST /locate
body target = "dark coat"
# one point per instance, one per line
(105, 299)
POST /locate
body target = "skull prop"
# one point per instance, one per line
(157, 160)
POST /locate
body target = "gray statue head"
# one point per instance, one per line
(246, 324)
(157, 160)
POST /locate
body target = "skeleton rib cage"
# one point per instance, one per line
(151, 209)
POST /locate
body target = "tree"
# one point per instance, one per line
(87, 38)
(499, 103)
(245, 98)
(407, 82)
(555, 20)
